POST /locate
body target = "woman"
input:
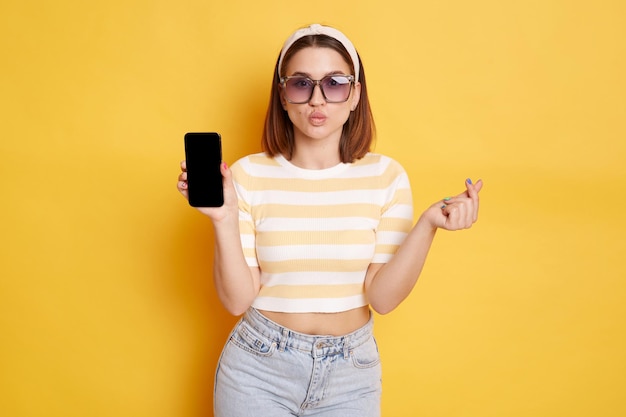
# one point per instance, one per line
(314, 232)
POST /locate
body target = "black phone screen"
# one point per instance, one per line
(203, 152)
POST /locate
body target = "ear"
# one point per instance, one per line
(356, 96)
(282, 99)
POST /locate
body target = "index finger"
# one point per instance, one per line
(473, 189)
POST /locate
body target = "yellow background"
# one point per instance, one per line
(106, 301)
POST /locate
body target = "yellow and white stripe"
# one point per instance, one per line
(313, 233)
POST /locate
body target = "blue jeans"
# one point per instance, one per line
(268, 370)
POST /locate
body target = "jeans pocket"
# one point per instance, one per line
(246, 338)
(366, 355)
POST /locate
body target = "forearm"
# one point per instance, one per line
(387, 285)
(235, 282)
(395, 280)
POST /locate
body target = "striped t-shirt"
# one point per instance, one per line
(313, 233)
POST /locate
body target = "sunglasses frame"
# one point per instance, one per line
(283, 83)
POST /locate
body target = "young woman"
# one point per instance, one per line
(314, 232)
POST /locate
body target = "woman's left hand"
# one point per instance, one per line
(455, 213)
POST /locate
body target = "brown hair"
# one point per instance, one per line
(358, 131)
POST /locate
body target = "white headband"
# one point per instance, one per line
(316, 29)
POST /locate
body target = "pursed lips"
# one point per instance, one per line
(317, 118)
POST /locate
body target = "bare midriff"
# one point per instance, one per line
(327, 324)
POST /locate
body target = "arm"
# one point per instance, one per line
(387, 285)
(236, 283)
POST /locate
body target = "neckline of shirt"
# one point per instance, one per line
(312, 173)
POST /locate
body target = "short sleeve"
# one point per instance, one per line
(396, 214)
(247, 229)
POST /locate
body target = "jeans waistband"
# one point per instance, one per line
(316, 345)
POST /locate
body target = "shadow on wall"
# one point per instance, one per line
(193, 237)
(209, 324)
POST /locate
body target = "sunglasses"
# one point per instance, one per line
(335, 88)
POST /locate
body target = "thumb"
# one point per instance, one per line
(478, 186)
(472, 189)
(224, 169)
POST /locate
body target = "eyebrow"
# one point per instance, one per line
(305, 74)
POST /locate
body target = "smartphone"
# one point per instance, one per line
(203, 152)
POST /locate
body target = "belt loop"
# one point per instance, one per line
(346, 347)
(283, 340)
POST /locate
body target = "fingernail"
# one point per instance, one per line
(443, 207)
(469, 181)
(225, 166)
(447, 199)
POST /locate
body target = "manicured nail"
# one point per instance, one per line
(447, 199)
(469, 181)
(443, 207)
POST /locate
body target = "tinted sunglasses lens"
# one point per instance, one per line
(298, 89)
(336, 88)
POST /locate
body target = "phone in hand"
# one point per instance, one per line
(203, 153)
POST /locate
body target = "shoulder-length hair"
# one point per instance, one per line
(358, 131)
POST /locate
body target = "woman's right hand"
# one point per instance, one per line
(217, 214)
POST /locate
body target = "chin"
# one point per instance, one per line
(320, 133)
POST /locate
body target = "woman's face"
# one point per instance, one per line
(317, 119)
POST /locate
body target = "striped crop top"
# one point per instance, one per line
(313, 233)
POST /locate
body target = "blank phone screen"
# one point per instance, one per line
(203, 152)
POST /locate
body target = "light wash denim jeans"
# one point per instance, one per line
(267, 370)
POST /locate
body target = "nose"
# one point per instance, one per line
(317, 97)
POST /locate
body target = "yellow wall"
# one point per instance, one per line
(106, 301)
